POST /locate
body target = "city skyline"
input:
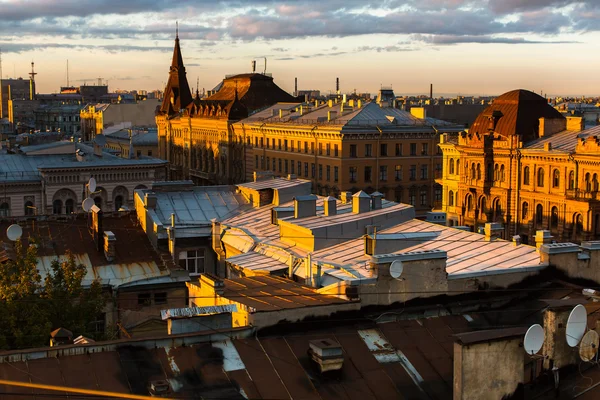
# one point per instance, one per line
(460, 46)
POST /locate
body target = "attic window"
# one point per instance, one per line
(144, 299)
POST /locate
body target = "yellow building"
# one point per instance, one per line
(133, 143)
(349, 146)
(526, 166)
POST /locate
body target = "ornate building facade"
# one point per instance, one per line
(195, 135)
(526, 166)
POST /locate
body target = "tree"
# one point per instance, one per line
(69, 304)
(23, 322)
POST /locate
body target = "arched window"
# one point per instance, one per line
(595, 182)
(502, 176)
(497, 208)
(118, 202)
(451, 166)
(57, 206)
(554, 217)
(473, 173)
(482, 205)
(478, 171)
(29, 208)
(451, 198)
(555, 178)
(469, 202)
(578, 221)
(524, 210)
(526, 174)
(456, 198)
(588, 183)
(4, 209)
(69, 206)
(540, 177)
(539, 214)
(572, 180)
(457, 166)
(496, 172)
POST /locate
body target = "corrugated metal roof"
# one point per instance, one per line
(276, 183)
(196, 311)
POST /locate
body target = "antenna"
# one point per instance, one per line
(589, 346)
(14, 232)
(534, 339)
(87, 204)
(576, 325)
(32, 74)
(265, 72)
(396, 269)
(67, 73)
(92, 185)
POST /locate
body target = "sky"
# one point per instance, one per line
(484, 47)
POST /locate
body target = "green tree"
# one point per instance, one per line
(69, 304)
(23, 320)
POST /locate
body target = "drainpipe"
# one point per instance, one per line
(377, 158)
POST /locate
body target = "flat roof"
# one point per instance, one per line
(275, 183)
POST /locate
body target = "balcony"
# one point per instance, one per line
(579, 194)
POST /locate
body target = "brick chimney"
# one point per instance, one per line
(110, 242)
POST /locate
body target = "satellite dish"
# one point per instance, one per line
(14, 232)
(87, 204)
(534, 339)
(396, 269)
(576, 325)
(100, 140)
(589, 346)
(92, 184)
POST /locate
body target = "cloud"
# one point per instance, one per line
(13, 47)
(388, 49)
(456, 39)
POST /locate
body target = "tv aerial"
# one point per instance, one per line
(396, 269)
(534, 339)
(576, 325)
(588, 348)
(14, 232)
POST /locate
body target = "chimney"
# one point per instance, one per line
(330, 103)
(346, 197)
(171, 239)
(477, 376)
(214, 282)
(295, 86)
(291, 177)
(431, 90)
(542, 237)
(110, 242)
(305, 206)
(361, 202)
(97, 227)
(331, 115)
(556, 351)
(327, 354)
(60, 336)
(281, 111)
(516, 240)
(150, 201)
(359, 105)
(316, 103)
(97, 150)
(329, 205)
(337, 85)
(376, 200)
(492, 230)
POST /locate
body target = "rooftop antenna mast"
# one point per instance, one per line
(0, 65)
(32, 74)
(67, 73)
(265, 71)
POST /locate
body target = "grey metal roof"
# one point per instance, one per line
(277, 183)
(563, 141)
(147, 137)
(254, 261)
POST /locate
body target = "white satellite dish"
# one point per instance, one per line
(589, 346)
(576, 325)
(87, 204)
(100, 140)
(14, 232)
(396, 269)
(534, 339)
(92, 184)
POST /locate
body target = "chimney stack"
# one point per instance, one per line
(431, 91)
(361, 202)
(110, 242)
(492, 230)
(97, 227)
(305, 206)
(346, 197)
(376, 200)
(329, 205)
(295, 86)
(337, 85)
(542, 237)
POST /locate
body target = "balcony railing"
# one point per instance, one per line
(579, 194)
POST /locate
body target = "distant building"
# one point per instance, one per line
(58, 117)
(312, 94)
(17, 89)
(143, 140)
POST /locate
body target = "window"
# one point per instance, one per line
(285, 166)
(424, 149)
(437, 192)
(262, 142)
(292, 145)
(320, 149)
(368, 174)
(285, 144)
(554, 217)
(413, 149)
(383, 149)
(273, 164)
(29, 208)
(502, 176)
(118, 202)
(312, 170)
(279, 164)
(353, 150)
(353, 172)
(368, 150)
(320, 171)
(192, 261)
(469, 202)
(451, 166)
(555, 178)
(424, 171)
(160, 298)
(451, 198)
(496, 173)
(299, 168)
(5, 209)
(143, 299)
(279, 144)
(398, 172)
(268, 142)
(335, 150)
(328, 173)
(413, 172)
(268, 162)
(306, 147)
(139, 153)
(56, 207)
(572, 180)
(306, 169)
(328, 149)
(312, 147)
(482, 204)
(255, 142)
(292, 167)
(398, 149)
(540, 177)
(525, 210)
(423, 196)
(383, 173)
(412, 196)
(335, 174)
(149, 153)
(595, 182)
(478, 177)
(526, 174)
(539, 214)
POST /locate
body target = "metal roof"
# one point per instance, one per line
(276, 183)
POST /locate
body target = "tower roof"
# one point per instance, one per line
(177, 93)
(515, 113)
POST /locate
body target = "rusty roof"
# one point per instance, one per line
(521, 111)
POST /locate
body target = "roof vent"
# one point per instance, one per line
(329, 205)
(492, 230)
(327, 354)
(305, 206)
(110, 241)
(60, 336)
(361, 202)
(159, 388)
(150, 201)
(346, 197)
(376, 200)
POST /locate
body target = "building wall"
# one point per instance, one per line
(14, 89)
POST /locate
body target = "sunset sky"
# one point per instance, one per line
(461, 46)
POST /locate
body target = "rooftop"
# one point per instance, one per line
(146, 137)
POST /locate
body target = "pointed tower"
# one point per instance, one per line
(177, 93)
